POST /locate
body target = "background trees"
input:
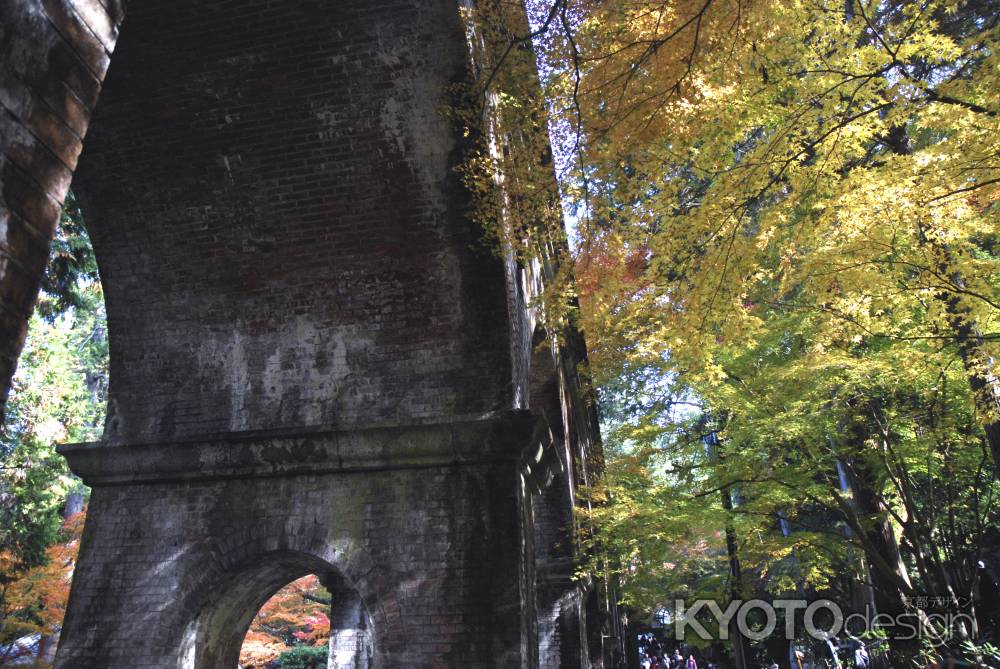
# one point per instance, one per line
(58, 395)
(786, 224)
(291, 627)
(786, 229)
(35, 602)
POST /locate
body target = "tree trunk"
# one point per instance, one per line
(976, 363)
(889, 576)
(869, 518)
(741, 647)
(964, 328)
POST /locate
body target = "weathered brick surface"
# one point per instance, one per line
(557, 593)
(305, 334)
(431, 551)
(271, 195)
(53, 56)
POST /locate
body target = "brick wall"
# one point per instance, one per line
(270, 191)
(287, 263)
(53, 57)
(432, 552)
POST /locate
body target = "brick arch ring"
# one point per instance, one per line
(228, 579)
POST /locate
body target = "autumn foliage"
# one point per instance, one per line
(35, 601)
(786, 232)
(296, 615)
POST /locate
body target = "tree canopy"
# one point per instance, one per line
(785, 226)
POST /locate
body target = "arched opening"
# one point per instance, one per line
(228, 631)
(291, 628)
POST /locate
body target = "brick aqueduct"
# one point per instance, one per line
(315, 368)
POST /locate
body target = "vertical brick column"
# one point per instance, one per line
(558, 594)
(350, 627)
(53, 57)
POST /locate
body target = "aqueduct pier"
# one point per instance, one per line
(316, 365)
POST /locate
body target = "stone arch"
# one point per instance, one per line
(229, 578)
(53, 58)
(212, 638)
(318, 546)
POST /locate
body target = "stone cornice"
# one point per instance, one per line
(500, 437)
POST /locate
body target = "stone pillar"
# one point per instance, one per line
(53, 57)
(350, 627)
(416, 531)
(558, 595)
(310, 344)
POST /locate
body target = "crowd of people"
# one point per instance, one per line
(654, 656)
(657, 659)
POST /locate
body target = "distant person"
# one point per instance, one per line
(861, 657)
(989, 599)
(678, 659)
(691, 664)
